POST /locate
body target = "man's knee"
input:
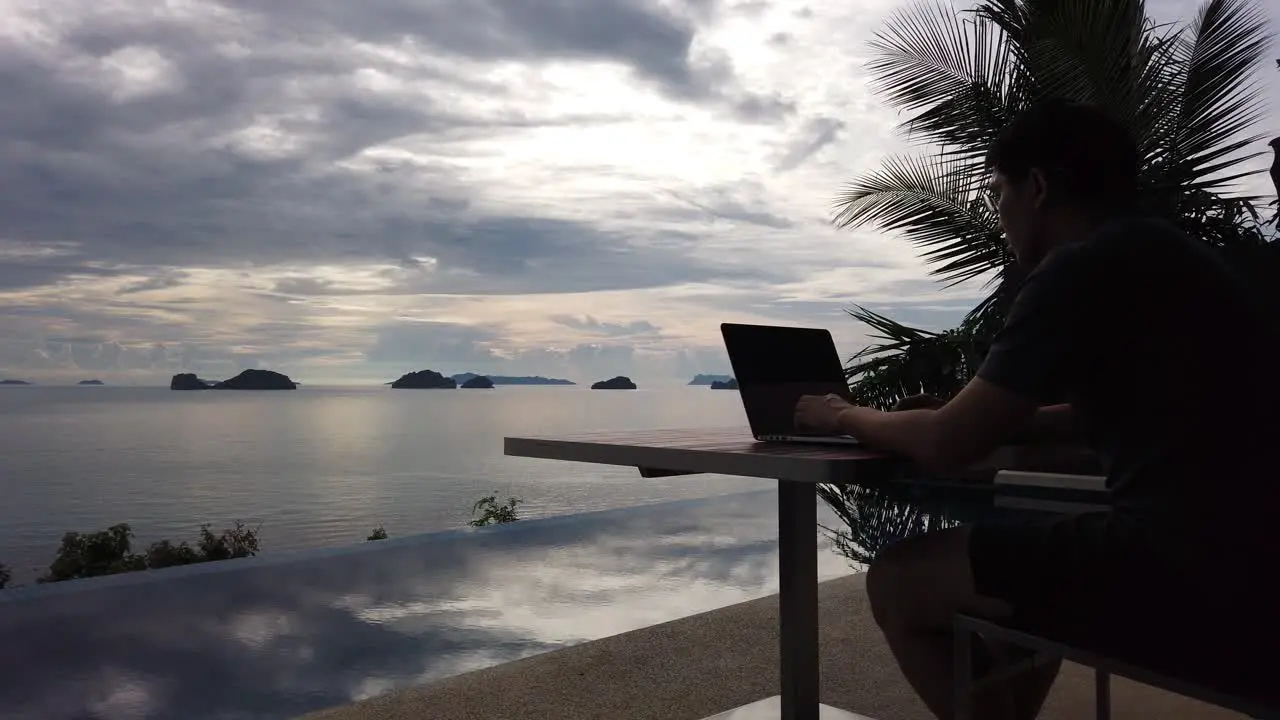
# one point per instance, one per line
(898, 578)
(922, 580)
(881, 590)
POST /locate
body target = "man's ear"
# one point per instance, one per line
(1037, 188)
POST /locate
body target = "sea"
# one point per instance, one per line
(318, 466)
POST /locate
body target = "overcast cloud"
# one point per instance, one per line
(346, 191)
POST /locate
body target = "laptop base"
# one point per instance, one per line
(815, 439)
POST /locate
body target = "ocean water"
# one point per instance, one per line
(315, 467)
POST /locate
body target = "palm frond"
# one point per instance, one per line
(892, 332)
(1091, 51)
(1219, 99)
(935, 203)
(908, 361)
(953, 70)
(873, 519)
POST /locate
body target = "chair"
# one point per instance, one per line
(1248, 700)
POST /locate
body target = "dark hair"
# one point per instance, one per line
(1086, 154)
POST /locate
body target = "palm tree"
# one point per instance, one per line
(1187, 94)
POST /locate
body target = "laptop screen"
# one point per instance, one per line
(769, 354)
(775, 365)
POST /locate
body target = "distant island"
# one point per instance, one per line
(462, 378)
(424, 380)
(189, 381)
(247, 380)
(479, 382)
(618, 383)
(14, 382)
(257, 380)
(730, 384)
(709, 379)
(91, 382)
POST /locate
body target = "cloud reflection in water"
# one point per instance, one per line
(285, 634)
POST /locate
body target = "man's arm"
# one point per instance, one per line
(1033, 359)
(1051, 423)
(1055, 423)
(969, 428)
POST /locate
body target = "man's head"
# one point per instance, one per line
(1058, 167)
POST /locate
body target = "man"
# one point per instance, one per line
(1166, 359)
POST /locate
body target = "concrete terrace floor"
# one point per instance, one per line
(698, 666)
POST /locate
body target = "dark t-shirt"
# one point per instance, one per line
(1167, 354)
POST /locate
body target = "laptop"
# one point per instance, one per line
(774, 366)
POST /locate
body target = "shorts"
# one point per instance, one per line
(1038, 565)
(1100, 581)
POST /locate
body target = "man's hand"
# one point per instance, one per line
(820, 413)
(919, 402)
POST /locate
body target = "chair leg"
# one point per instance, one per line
(1102, 682)
(962, 646)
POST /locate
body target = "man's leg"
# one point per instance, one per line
(916, 587)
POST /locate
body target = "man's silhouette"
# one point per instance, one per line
(1167, 361)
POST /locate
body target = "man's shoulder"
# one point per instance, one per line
(1137, 233)
(1126, 248)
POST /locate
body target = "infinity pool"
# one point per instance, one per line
(284, 634)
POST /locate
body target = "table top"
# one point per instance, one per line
(727, 451)
(881, 486)
(733, 451)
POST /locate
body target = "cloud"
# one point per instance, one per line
(817, 134)
(654, 42)
(431, 342)
(279, 182)
(589, 324)
(165, 278)
(730, 204)
(335, 189)
(212, 134)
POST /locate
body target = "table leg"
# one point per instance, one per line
(798, 598)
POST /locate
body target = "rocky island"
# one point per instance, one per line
(91, 382)
(14, 382)
(258, 380)
(424, 380)
(462, 378)
(730, 384)
(247, 380)
(620, 382)
(188, 381)
(479, 382)
(709, 379)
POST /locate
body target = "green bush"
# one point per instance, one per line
(491, 513)
(110, 552)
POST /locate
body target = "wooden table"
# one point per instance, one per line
(798, 468)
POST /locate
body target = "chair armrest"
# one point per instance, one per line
(1064, 481)
(1054, 459)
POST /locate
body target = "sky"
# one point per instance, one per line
(347, 191)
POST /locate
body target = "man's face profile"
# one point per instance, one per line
(1000, 200)
(1017, 206)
